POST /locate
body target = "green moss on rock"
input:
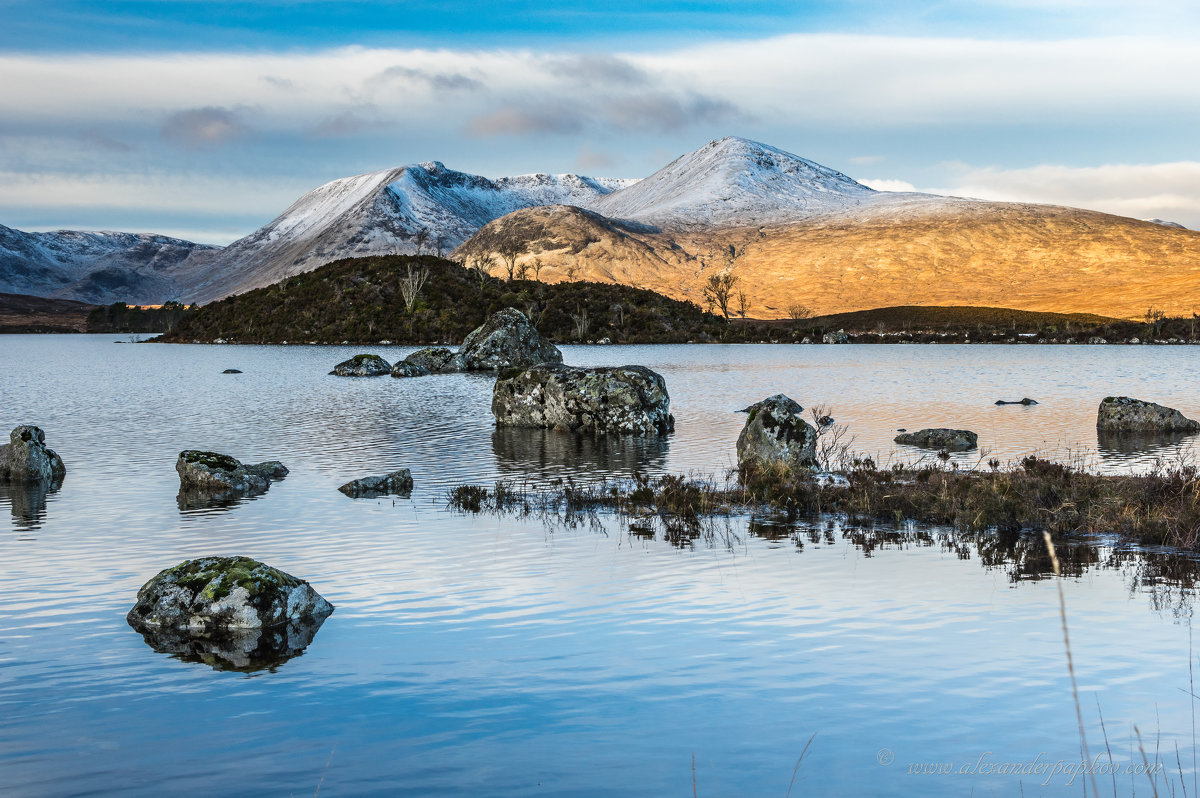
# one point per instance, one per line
(214, 460)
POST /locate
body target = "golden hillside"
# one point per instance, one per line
(916, 250)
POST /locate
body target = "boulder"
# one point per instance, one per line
(211, 595)
(629, 400)
(362, 366)
(406, 369)
(398, 482)
(25, 458)
(506, 340)
(838, 337)
(429, 360)
(1122, 414)
(953, 440)
(211, 472)
(1026, 401)
(775, 435)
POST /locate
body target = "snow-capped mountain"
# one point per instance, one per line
(734, 181)
(377, 214)
(92, 267)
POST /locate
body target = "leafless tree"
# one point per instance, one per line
(537, 268)
(581, 323)
(572, 270)
(421, 238)
(411, 285)
(522, 272)
(798, 313)
(743, 304)
(481, 263)
(439, 241)
(509, 250)
(719, 290)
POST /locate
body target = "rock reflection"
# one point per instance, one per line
(28, 502)
(1128, 445)
(246, 651)
(550, 453)
(196, 501)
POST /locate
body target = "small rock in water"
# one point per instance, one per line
(1123, 414)
(232, 371)
(212, 472)
(362, 366)
(398, 482)
(776, 434)
(26, 460)
(1026, 401)
(954, 440)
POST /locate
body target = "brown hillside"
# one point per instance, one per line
(911, 252)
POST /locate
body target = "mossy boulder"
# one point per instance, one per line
(1121, 414)
(430, 360)
(362, 366)
(776, 436)
(505, 340)
(211, 595)
(212, 472)
(26, 460)
(397, 483)
(952, 440)
(628, 400)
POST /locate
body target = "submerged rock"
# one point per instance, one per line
(506, 340)
(25, 458)
(211, 595)
(232, 371)
(629, 400)
(1026, 401)
(952, 440)
(362, 366)
(1119, 414)
(776, 435)
(398, 482)
(215, 473)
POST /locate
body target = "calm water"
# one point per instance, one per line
(476, 655)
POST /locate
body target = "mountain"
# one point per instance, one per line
(379, 214)
(92, 267)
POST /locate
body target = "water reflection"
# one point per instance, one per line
(199, 501)
(547, 452)
(1128, 445)
(246, 650)
(28, 502)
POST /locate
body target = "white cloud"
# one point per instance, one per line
(888, 185)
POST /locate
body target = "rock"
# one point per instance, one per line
(775, 435)
(629, 400)
(1123, 414)
(211, 472)
(1026, 401)
(362, 366)
(232, 371)
(829, 479)
(825, 421)
(1096, 339)
(25, 458)
(398, 482)
(406, 369)
(953, 440)
(1134, 340)
(211, 595)
(506, 340)
(431, 359)
(838, 337)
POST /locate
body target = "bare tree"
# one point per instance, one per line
(439, 242)
(798, 313)
(522, 272)
(509, 250)
(421, 238)
(719, 290)
(743, 304)
(581, 323)
(481, 263)
(572, 270)
(411, 285)
(537, 268)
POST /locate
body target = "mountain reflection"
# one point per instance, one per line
(246, 651)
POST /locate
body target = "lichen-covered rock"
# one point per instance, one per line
(430, 360)
(406, 369)
(629, 400)
(776, 435)
(362, 366)
(1123, 414)
(506, 340)
(211, 595)
(398, 482)
(952, 440)
(25, 458)
(212, 472)
(838, 337)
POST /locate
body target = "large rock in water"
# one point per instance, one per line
(776, 435)
(362, 366)
(212, 472)
(25, 458)
(630, 400)
(211, 595)
(506, 340)
(952, 440)
(1119, 414)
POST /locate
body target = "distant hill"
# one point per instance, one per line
(20, 313)
(361, 300)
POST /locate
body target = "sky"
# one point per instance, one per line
(205, 120)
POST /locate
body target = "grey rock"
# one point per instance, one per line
(838, 337)
(1096, 339)
(431, 360)
(1123, 414)
(212, 472)
(953, 440)
(506, 340)
(1026, 401)
(628, 400)
(232, 371)
(25, 458)
(406, 369)
(362, 366)
(211, 595)
(398, 482)
(776, 435)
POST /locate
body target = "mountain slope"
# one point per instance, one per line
(377, 214)
(92, 267)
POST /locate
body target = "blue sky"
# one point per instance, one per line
(205, 120)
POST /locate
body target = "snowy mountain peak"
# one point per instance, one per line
(734, 181)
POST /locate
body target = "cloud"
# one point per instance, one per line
(664, 113)
(596, 70)
(888, 185)
(103, 141)
(345, 123)
(200, 128)
(279, 83)
(438, 81)
(522, 121)
(589, 159)
(630, 113)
